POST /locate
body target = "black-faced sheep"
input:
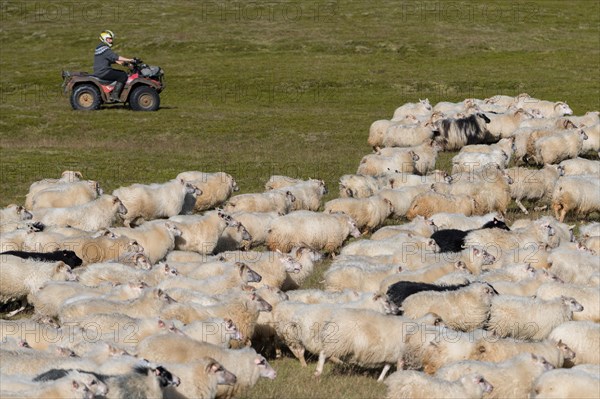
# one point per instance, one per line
(65, 256)
(453, 240)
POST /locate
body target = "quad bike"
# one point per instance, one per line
(141, 91)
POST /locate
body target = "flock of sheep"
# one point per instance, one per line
(183, 289)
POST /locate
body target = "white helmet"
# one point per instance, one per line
(105, 35)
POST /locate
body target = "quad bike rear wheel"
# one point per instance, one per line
(86, 97)
(144, 98)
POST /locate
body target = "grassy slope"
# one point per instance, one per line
(272, 88)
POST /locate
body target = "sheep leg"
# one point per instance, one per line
(563, 213)
(520, 205)
(320, 364)
(298, 351)
(540, 208)
(15, 312)
(400, 364)
(386, 368)
(336, 360)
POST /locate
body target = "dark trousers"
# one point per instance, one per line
(113, 74)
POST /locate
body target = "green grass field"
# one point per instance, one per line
(262, 88)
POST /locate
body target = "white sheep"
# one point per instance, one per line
(465, 309)
(48, 298)
(307, 258)
(68, 176)
(593, 141)
(216, 188)
(358, 186)
(505, 124)
(91, 216)
(507, 145)
(241, 307)
(400, 245)
(369, 213)
(214, 285)
(564, 383)
(471, 161)
(349, 274)
(154, 201)
(245, 364)
(418, 226)
(318, 231)
(274, 267)
(581, 336)
(548, 109)
(66, 195)
(201, 233)
(427, 153)
(402, 198)
(532, 184)
(589, 119)
(591, 229)
(560, 146)
(117, 273)
(70, 386)
(199, 379)
(488, 186)
(580, 166)
(406, 135)
(529, 286)
(527, 318)
(494, 349)
(399, 180)
(14, 217)
(148, 304)
(422, 108)
(376, 165)
(430, 203)
(270, 201)
(575, 266)
(378, 129)
(277, 182)
(588, 297)
(19, 277)
(450, 108)
(519, 244)
(308, 194)
(157, 237)
(512, 378)
(576, 193)
(417, 385)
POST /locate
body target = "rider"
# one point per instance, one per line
(104, 57)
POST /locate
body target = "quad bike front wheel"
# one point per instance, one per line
(144, 98)
(86, 97)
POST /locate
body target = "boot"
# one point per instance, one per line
(114, 95)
